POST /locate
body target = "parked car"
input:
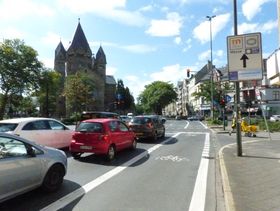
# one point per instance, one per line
(125, 119)
(148, 126)
(275, 118)
(44, 131)
(102, 137)
(25, 165)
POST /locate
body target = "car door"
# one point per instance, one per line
(61, 135)
(38, 131)
(18, 170)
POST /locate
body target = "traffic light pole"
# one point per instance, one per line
(237, 94)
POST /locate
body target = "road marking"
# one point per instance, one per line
(205, 126)
(64, 201)
(172, 158)
(187, 125)
(199, 193)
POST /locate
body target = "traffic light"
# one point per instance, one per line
(188, 73)
(222, 102)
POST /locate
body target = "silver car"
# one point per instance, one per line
(25, 165)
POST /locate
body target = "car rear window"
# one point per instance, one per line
(6, 127)
(141, 120)
(93, 127)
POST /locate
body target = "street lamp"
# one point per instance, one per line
(211, 66)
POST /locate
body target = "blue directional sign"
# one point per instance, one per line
(227, 98)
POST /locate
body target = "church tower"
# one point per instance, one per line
(79, 58)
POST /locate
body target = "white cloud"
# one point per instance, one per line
(202, 31)
(166, 28)
(188, 45)
(17, 9)
(110, 9)
(136, 85)
(172, 73)
(251, 8)
(12, 33)
(255, 27)
(48, 62)
(139, 48)
(204, 56)
(177, 40)
(111, 70)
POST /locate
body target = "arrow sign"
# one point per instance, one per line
(244, 58)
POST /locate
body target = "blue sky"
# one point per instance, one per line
(144, 40)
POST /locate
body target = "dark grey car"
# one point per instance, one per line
(148, 127)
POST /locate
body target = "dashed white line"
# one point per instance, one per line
(199, 193)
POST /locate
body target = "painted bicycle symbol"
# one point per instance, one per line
(172, 158)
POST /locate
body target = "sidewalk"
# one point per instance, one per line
(252, 182)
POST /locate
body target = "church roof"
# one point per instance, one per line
(110, 80)
(100, 56)
(79, 40)
(60, 49)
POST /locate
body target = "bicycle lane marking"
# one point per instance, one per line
(67, 199)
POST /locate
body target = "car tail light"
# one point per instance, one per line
(104, 137)
(73, 141)
(149, 125)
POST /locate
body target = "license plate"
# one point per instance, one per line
(85, 147)
(139, 134)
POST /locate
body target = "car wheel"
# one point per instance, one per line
(111, 154)
(53, 178)
(163, 134)
(76, 155)
(134, 144)
(155, 136)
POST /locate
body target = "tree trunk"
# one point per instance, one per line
(3, 104)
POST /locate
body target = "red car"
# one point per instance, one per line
(101, 137)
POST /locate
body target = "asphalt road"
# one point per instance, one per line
(178, 172)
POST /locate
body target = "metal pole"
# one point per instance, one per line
(211, 67)
(237, 94)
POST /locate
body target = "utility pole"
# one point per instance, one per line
(211, 66)
(237, 93)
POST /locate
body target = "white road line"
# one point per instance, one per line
(64, 201)
(199, 193)
(205, 126)
(187, 125)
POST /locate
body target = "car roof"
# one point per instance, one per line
(100, 120)
(24, 119)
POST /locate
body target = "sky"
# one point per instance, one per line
(144, 40)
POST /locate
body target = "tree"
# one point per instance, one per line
(49, 84)
(125, 100)
(19, 70)
(78, 91)
(156, 96)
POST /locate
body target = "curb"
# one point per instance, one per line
(229, 202)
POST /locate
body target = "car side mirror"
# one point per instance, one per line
(163, 121)
(31, 152)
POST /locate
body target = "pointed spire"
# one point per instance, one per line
(60, 50)
(100, 56)
(80, 41)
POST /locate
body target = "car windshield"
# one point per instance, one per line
(6, 127)
(93, 127)
(141, 120)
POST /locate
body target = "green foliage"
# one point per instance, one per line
(126, 101)
(78, 91)
(156, 96)
(273, 126)
(19, 70)
(214, 122)
(49, 84)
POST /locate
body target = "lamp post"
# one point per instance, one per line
(211, 66)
